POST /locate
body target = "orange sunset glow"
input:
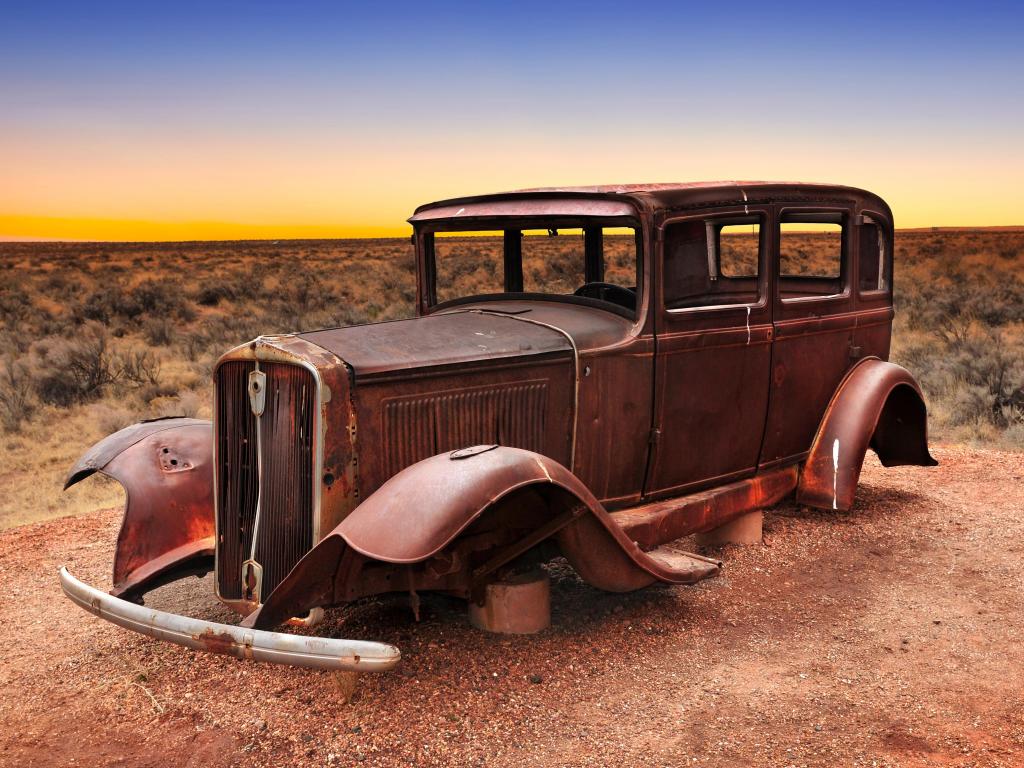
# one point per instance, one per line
(318, 125)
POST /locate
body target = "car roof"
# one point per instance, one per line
(656, 196)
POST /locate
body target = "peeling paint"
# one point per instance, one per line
(835, 474)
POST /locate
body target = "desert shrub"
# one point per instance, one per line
(15, 302)
(158, 331)
(222, 333)
(101, 304)
(151, 298)
(1013, 436)
(16, 402)
(68, 371)
(139, 366)
(969, 404)
(153, 394)
(213, 294)
(193, 345)
(186, 403)
(111, 418)
(972, 373)
(154, 298)
(58, 286)
(76, 370)
(987, 373)
(349, 314)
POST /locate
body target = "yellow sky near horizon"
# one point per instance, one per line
(326, 187)
(18, 228)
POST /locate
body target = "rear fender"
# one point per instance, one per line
(879, 406)
(423, 527)
(166, 469)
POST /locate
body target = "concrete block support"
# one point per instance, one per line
(520, 605)
(742, 530)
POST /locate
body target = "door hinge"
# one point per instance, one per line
(654, 437)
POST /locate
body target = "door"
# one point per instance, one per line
(713, 349)
(814, 325)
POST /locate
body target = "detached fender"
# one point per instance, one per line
(878, 405)
(423, 509)
(166, 469)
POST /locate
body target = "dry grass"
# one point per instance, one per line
(960, 329)
(96, 336)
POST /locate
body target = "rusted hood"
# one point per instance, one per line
(438, 340)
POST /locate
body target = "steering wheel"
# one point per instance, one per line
(616, 294)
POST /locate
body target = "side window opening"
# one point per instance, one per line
(873, 257)
(811, 248)
(712, 262)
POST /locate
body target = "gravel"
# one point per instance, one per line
(889, 635)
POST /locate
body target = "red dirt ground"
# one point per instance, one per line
(890, 635)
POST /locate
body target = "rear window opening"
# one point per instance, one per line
(589, 264)
(713, 262)
(811, 248)
(874, 265)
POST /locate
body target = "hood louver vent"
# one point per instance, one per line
(416, 428)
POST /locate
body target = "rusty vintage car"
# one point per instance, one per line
(592, 373)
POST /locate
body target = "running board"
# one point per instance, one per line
(687, 567)
(659, 522)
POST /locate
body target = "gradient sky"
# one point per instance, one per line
(125, 121)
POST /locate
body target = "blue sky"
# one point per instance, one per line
(127, 112)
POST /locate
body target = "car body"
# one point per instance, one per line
(591, 372)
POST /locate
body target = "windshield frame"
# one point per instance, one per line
(427, 273)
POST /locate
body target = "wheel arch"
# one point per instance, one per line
(420, 514)
(878, 405)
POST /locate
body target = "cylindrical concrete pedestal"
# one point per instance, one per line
(519, 605)
(742, 530)
(347, 683)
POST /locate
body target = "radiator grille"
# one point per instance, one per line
(416, 428)
(286, 488)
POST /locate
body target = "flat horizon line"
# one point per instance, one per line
(43, 241)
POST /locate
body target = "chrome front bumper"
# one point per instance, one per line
(259, 645)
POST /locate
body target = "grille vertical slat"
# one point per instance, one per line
(286, 488)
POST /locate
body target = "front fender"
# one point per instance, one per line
(419, 514)
(166, 469)
(878, 405)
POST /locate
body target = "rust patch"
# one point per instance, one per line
(217, 642)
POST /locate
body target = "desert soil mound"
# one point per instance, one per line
(890, 635)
